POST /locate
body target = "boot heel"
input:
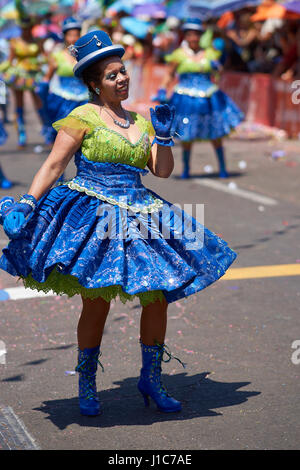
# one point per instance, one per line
(146, 399)
(145, 396)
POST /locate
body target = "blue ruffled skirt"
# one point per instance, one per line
(202, 110)
(111, 236)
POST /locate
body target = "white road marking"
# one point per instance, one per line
(16, 293)
(250, 195)
(13, 434)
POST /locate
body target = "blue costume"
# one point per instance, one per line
(64, 92)
(65, 247)
(202, 110)
(104, 234)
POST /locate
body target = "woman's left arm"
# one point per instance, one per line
(161, 161)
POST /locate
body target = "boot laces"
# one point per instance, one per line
(84, 369)
(164, 349)
(159, 356)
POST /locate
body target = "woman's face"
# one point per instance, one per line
(114, 80)
(72, 36)
(193, 39)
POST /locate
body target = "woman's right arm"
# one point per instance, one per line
(170, 75)
(52, 67)
(65, 146)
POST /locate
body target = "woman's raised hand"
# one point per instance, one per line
(162, 118)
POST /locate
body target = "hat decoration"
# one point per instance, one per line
(92, 47)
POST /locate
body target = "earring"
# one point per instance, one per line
(97, 91)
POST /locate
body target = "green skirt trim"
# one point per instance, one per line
(67, 284)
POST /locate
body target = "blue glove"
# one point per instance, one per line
(5, 203)
(14, 216)
(162, 118)
(161, 96)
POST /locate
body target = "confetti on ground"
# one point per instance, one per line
(70, 372)
(242, 165)
(255, 131)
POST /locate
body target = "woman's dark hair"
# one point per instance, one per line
(91, 74)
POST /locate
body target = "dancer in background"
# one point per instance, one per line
(59, 90)
(203, 112)
(21, 72)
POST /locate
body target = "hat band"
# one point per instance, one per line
(71, 26)
(90, 56)
(194, 26)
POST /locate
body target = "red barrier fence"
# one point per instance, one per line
(263, 99)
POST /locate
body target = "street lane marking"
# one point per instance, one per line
(13, 433)
(255, 272)
(16, 293)
(250, 195)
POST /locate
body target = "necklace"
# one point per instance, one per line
(125, 125)
(191, 52)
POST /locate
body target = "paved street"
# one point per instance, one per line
(240, 389)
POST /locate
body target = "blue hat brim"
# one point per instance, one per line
(71, 26)
(192, 26)
(95, 56)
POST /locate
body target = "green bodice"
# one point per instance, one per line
(101, 144)
(187, 63)
(64, 67)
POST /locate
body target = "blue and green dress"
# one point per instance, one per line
(66, 92)
(104, 234)
(203, 111)
(24, 72)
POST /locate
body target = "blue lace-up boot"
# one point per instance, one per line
(222, 165)
(22, 138)
(4, 182)
(150, 380)
(46, 124)
(87, 367)
(186, 164)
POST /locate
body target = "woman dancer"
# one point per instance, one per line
(60, 91)
(103, 234)
(202, 110)
(21, 72)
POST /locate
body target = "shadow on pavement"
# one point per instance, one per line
(271, 236)
(124, 406)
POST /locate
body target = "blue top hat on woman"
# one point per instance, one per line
(70, 23)
(192, 24)
(92, 47)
